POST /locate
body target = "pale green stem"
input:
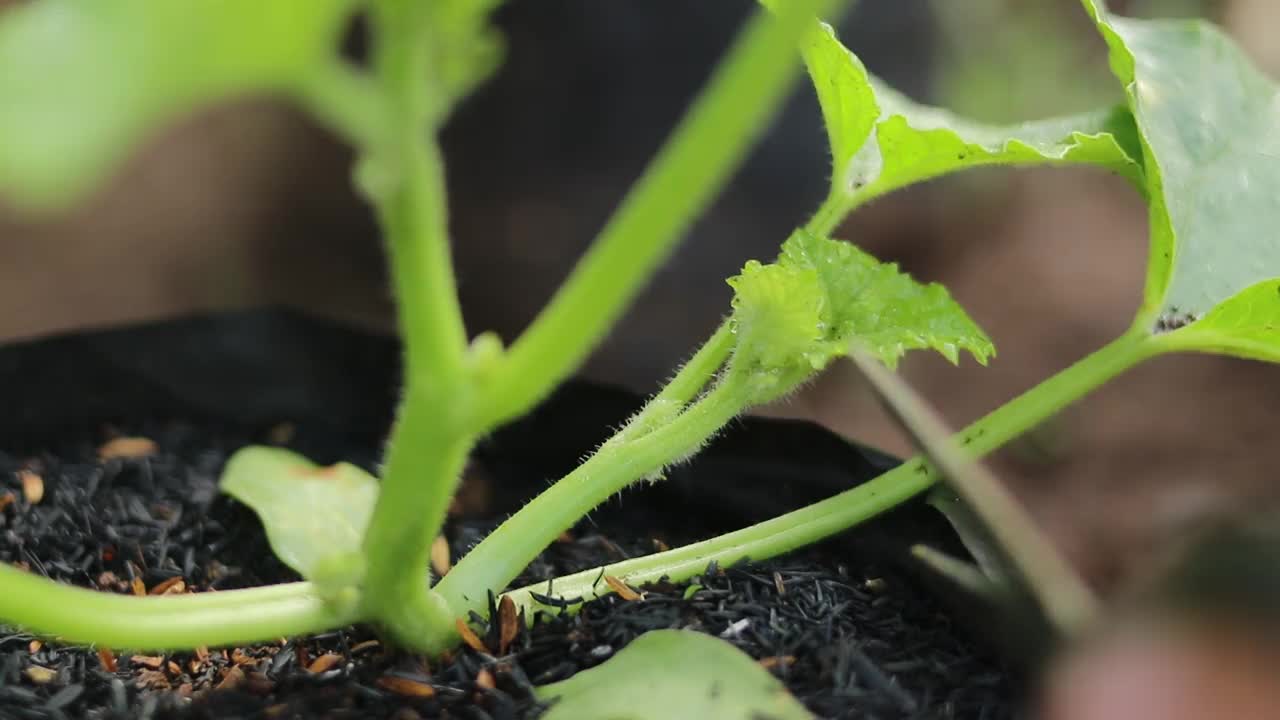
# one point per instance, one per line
(167, 622)
(496, 561)
(836, 514)
(686, 175)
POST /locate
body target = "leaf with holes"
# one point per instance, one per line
(674, 674)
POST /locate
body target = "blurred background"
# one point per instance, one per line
(249, 205)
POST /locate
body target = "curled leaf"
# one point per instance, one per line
(881, 140)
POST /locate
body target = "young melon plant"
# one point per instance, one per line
(1196, 137)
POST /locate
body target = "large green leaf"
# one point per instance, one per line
(881, 140)
(886, 310)
(83, 82)
(315, 517)
(675, 675)
(793, 316)
(1210, 126)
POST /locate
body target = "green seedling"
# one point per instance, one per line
(1196, 136)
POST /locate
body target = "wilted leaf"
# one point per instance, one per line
(313, 516)
(675, 675)
(84, 82)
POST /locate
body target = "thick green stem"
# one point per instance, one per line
(708, 145)
(424, 459)
(828, 517)
(621, 461)
(404, 175)
(170, 622)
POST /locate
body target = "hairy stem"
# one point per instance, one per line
(171, 622)
(836, 514)
(696, 161)
(621, 461)
(683, 388)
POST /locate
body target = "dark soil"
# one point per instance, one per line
(848, 633)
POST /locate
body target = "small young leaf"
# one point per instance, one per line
(793, 316)
(84, 82)
(881, 140)
(677, 675)
(884, 308)
(315, 517)
(779, 313)
(1208, 122)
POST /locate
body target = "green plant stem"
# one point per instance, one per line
(461, 584)
(836, 514)
(345, 101)
(496, 561)
(698, 159)
(435, 425)
(424, 460)
(169, 622)
(407, 188)
(683, 388)
(834, 209)
(1024, 552)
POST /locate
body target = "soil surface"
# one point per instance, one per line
(132, 506)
